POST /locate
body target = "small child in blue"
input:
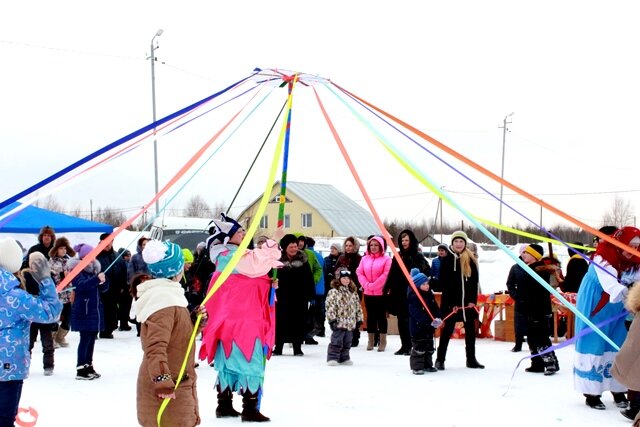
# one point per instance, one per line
(344, 313)
(18, 309)
(422, 324)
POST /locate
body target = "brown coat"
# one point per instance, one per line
(626, 368)
(165, 336)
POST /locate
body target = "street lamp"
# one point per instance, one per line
(504, 140)
(153, 100)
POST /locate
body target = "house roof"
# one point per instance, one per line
(345, 216)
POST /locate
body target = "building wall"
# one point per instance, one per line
(295, 208)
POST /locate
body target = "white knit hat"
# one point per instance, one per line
(10, 255)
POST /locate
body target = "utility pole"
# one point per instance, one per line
(153, 101)
(504, 141)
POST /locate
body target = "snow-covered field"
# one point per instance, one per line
(378, 390)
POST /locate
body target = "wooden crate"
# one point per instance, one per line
(504, 330)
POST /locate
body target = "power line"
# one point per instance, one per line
(76, 52)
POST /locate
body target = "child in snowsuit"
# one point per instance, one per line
(344, 313)
(17, 310)
(422, 324)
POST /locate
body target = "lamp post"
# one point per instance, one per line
(153, 100)
(504, 140)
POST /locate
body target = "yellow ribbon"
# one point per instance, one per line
(241, 249)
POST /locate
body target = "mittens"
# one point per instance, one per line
(333, 325)
(436, 322)
(39, 267)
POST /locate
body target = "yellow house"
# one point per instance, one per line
(313, 210)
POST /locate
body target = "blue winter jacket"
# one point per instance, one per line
(18, 309)
(87, 312)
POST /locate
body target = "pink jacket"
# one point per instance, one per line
(373, 270)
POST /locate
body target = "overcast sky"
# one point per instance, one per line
(75, 78)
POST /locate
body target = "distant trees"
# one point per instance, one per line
(620, 214)
(109, 215)
(198, 207)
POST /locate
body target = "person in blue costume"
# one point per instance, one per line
(601, 298)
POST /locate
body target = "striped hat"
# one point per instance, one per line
(164, 259)
(535, 251)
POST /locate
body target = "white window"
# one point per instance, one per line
(306, 220)
(264, 222)
(287, 221)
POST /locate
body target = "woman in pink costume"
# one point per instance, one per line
(240, 333)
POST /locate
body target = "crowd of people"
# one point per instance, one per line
(285, 292)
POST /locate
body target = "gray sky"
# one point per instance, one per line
(75, 78)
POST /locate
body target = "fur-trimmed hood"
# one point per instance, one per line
(633, 299)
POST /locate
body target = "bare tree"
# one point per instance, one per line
(109, 215)
(198, 207)
(50, 203)
(77, 212)
(620, 214)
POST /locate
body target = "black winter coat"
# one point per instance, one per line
(116, 273)
(419, 319)
(515, 281)
(296, 288)
(536, 301)
(457, 290)
(397, 284)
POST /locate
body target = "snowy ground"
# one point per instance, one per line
(379, 388)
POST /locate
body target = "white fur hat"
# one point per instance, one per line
(10, 255)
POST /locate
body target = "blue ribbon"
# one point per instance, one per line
(116, 143)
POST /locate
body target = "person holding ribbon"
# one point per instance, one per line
(166, 326)
(601, 298)
(422, 323)
(240, 333)
(459, 283)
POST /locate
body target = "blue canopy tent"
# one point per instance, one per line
(31, 219)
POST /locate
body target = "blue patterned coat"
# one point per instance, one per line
(18, 309)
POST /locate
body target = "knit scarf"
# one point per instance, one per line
(156, 294)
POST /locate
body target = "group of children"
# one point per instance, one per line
(344, 314)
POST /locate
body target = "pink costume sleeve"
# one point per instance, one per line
(259, 261)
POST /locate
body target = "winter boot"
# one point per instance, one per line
(93, 372)
(518, 347)
(383, 342)
(632, 411)
(620, 399)
(277, 350)
(356, 338)
(297, 350)
(250, 410)
(82, 373)
(370, 341)
(472, 362)
(59, 337)
(594, 402)
(225, 404)
(428, 359)
(439, 365)
(550, 361)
